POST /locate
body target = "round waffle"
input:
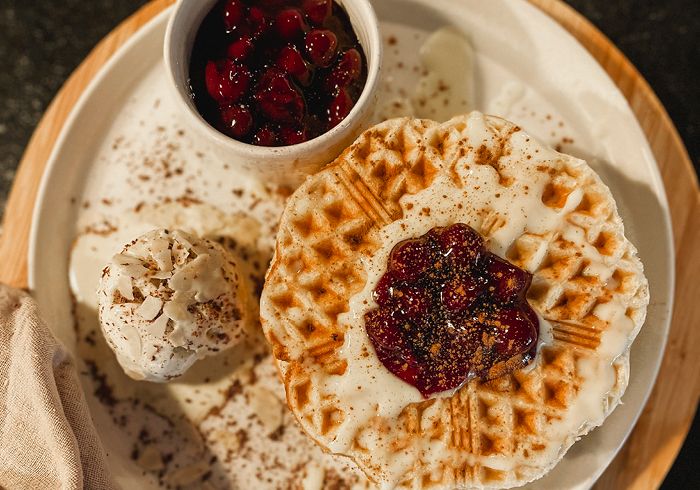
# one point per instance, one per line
(546, 212)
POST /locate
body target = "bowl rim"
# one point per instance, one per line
(373, 53)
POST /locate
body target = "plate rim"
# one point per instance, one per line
(75, 112)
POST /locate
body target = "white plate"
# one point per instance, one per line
(567, 99)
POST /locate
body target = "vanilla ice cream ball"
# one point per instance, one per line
(169, 299)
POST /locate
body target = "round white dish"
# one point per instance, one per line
(527, 68)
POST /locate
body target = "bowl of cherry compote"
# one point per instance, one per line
(449, 311)
(277, 86)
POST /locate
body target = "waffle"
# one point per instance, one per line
(547, 212)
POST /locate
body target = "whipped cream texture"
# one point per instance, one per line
(167, 300)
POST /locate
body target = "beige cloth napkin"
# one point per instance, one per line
(47, 438)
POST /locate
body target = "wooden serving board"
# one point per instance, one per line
(661, 430)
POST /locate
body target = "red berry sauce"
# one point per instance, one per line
(276, 72)
(449, 311)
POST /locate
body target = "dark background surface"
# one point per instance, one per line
(43, 41)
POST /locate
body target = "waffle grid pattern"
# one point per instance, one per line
(317, 268)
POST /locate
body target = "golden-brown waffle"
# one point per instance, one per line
(547, 212)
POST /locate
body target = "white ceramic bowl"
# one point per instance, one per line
(287, 164)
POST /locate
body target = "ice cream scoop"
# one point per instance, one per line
(169, 299)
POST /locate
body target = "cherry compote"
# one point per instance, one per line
(276, 72)
(449, 311)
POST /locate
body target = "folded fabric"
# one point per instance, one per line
(47, 437)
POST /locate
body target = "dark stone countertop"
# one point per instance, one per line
(42, 42)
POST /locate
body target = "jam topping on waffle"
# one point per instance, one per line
(449, 311)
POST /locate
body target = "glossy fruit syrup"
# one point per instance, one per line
(276, 72)
(450, 311)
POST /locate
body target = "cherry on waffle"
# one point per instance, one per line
(450, 311)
